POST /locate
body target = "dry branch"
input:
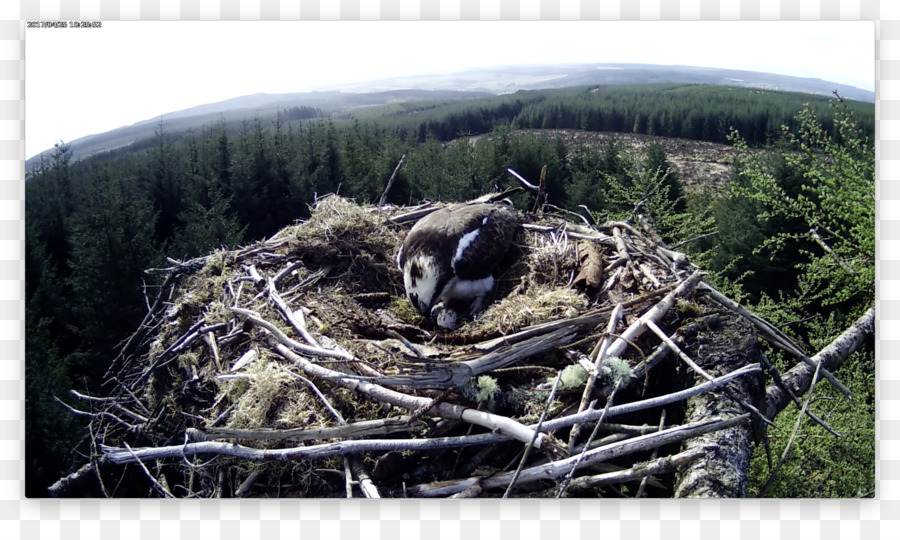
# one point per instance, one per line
(772, 334)
(390, 182)
(558, 469)
(799, 377)
(598, 355)
(368, 428)
(413, 403)
(640, 471)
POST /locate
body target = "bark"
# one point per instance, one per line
(799, 377)
(728, 346)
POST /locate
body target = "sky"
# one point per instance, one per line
(80, 82)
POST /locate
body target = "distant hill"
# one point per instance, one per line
(512, 78)
(473, 83)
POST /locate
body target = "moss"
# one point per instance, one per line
(216, 312)
(401, 307)
(688, 309)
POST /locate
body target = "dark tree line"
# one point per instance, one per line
(698, 112)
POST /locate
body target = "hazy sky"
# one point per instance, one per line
(84, 81)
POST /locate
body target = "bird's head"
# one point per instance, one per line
(421, 275)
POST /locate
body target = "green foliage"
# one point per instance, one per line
(643, 184)
(807, 204)
(207, 227)
(833, 209)
(822, 465)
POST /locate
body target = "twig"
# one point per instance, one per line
(542, 192)
(833, 355)
(284, 339)
(185, 340)
(777, 382)
(528, 447)
(337, 416)
(598, 355)
(456, 374)
(639, 470)
(577, 232)
(771, 334)
(406, 343)
(351, 463)
(327, 450)
(414, 215)
(591, 415)
(390, 182)
(61, 486)
(295, 318)
(286, 271)
(693, 365)
(414, 403)
(348, 478)
(155, 482)
(247, 485)
(99, 414)
(113, 402)
(639, 326)
(214, 349)
(827, 248)
(643, 486)
(318, 451)
(525, 183)
(568, 478)
(787, 448)
(694, 239)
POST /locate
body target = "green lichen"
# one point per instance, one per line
(573, 376)
(487, 389)
(615, 368)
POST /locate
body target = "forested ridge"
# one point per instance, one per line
(94, 225)
(696, 112)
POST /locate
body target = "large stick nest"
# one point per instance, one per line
(299, 364)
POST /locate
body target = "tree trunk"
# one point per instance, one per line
(729, 345)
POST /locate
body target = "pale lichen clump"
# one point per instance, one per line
(572, 377)
(614, 368)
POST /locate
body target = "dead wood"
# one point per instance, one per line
(728, 346)
(300, 354)
(390, 182)
(799, 378)
(590, 272)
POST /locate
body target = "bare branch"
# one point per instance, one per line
(390, 182)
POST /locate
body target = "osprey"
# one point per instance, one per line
(449, 256)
